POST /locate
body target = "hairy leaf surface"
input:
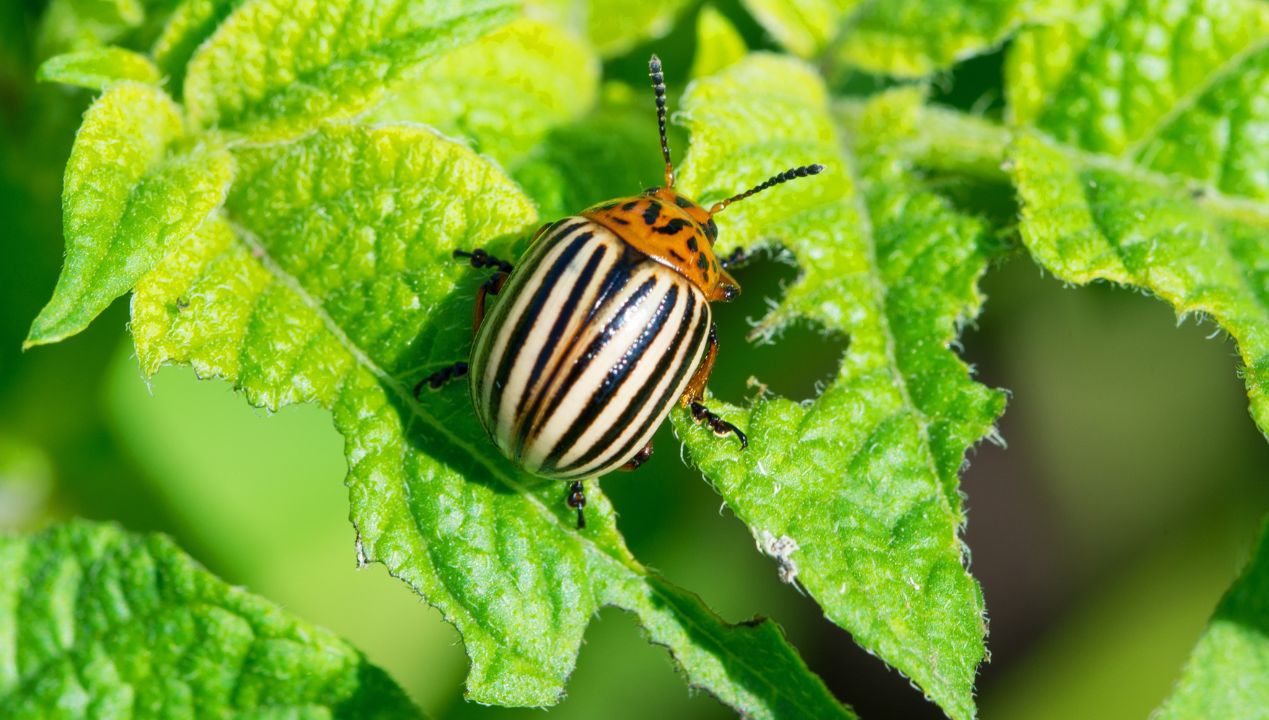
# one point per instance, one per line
(854, 494)
(126, 202)
(1227, 676)
(504, 92)
(98, 68)
(99, 623)
(804, 27)
(612, 26)
(275, 67)
(1159, 179)
(916, 38)
(330, 280)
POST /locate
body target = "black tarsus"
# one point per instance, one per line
(577, 499)
(482, 259)
(787, 175)
(438, 379)
(736, 258)
(658, 88)
(720, 426)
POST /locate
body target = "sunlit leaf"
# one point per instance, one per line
(126, 201)
(504, 92)
(98, 623)
(276, 67)
(1151, 168)
(805, 27)
(718, 43)
(915, 38)
(854, 494)
(331, 280)
(99, 67)
(612, 26)
(1227, 676)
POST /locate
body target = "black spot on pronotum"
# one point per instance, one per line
(682, 202)
(630, 205)
(653, 212)
(672, 227)
(701, 261)
(711, 230)
(692, 244)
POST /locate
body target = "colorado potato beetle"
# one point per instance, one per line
(601, 326)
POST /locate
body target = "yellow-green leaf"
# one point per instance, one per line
(98, 68)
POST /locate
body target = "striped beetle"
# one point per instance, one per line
(603, 324)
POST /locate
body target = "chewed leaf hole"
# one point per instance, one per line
(796, 363)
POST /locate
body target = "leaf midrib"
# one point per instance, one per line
(625, 564)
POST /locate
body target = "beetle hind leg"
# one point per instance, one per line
(640, 458)
(577, 499)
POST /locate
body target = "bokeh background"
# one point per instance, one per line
(1104, 535)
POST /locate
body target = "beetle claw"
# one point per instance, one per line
(720, 426)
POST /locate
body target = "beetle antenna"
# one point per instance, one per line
(658, 87)
(783, 177)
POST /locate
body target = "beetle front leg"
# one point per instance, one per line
(481, 259)
(577, 499)
(696, 391)
(736, 258)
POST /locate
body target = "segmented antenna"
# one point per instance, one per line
(783, 177)
(658, 87)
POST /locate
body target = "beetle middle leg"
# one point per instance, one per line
(696, 391)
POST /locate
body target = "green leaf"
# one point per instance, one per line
(854, 494)
(95, 622)
(1227, 676)
(125, 202)
(69, 25)
(804, 27)
(916, 38)
(191, 23)
(274, 68)
(612, 26)
(718, 43)
(504, 92)
(98, 68)
(330, 279)
(1150, 168)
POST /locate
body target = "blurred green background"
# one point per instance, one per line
(1123, 507)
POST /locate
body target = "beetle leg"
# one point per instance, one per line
(717, 424)
(696, 386)
(489, 287)
(640, 458)
(437, 380)
(736, 258)
(481, 259)
(577, 499)
(696, 390)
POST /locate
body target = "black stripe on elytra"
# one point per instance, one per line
(562, 318)
(612, 283)
(532, 313)
(640, 403)
(672, 227)
(616, 377)
(583, 362)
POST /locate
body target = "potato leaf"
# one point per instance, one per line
(274, 68)
(853, 494)
(126, 201)
(1146, 165)
(95, 622)
(98, 68)
(1228, 673)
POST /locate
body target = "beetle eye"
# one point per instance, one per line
(730, 292)
(651, 191)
